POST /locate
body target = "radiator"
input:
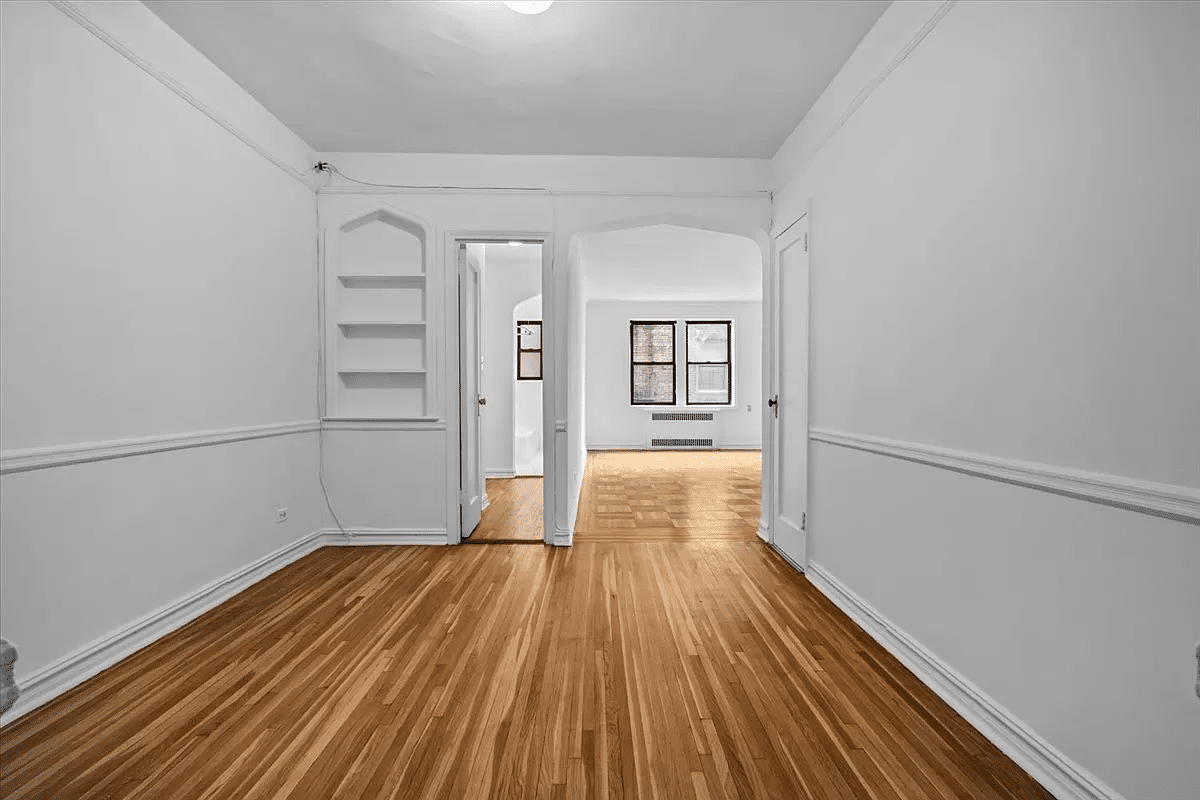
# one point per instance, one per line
(683, 429)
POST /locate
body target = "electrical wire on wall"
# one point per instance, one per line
(329, 168)
(320, 383)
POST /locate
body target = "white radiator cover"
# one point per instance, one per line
(683, 429)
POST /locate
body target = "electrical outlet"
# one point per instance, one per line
(281, 515)
(747, 406)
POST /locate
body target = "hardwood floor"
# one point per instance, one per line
(514, 513)
(672, 496)
(705, 668)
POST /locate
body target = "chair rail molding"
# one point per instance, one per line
(1159, 499)
(33, 458)
(1061, 776)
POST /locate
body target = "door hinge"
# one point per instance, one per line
(806, 242)
(804, 521)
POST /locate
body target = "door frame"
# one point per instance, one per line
(771, 488)
(452, 377)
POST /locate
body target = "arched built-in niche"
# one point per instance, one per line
(376, 311)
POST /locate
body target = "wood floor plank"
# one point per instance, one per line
(680, 662)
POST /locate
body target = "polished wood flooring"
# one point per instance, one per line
(705, 668)
(514, 512)
(676, 496)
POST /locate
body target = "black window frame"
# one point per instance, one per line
(674, 363)
(539, 349)
(728, 362)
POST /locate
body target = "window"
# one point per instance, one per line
(709, 363)
(652, 363)
(529, 350)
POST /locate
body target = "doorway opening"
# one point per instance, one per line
(502, 366)
(669, 369)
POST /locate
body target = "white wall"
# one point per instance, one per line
(527, 404)
(1005, 262)
(576, 359)
(157, 279)
(514, 274)
(613, 423)
(565, 214)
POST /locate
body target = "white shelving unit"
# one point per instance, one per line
(376, 311)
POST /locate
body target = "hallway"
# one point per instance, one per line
(514, 512)
(692, 663)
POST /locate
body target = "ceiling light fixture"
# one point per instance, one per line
(528, 6)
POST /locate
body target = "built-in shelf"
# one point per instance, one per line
(382, 278)
(381, 371)
(377, 303)
(380, 323)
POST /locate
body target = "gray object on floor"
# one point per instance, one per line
(8, 685)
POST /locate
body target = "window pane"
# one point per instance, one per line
(708, 342)
(654, 383)
(708, 383)
(531, 336)
(530, 365)
(654, 342)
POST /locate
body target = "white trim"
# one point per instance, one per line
(563, 538)
(347, 424)
(861, 97)
(71, 10)
(65, 455)
(334, 537)
(1161, 499)
(52, 680)
(791, 562)
(1061, 776)
(502, 472)
(764, 533)
(641, 445)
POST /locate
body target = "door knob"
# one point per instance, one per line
(774, 404)
(483, 401)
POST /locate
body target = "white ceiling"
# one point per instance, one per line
(587, 77)
(667, 262)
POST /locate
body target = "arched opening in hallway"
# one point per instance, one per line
(665, 374)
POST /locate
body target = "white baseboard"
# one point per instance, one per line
(334, 537)
(51, 681)
(508, 472)
(648, 448)
(1062, 777)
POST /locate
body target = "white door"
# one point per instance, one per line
(470, 401)
(790, 401)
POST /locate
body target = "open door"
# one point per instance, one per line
(790, 401)
(471, 483)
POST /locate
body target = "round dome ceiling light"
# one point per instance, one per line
(528, 6)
